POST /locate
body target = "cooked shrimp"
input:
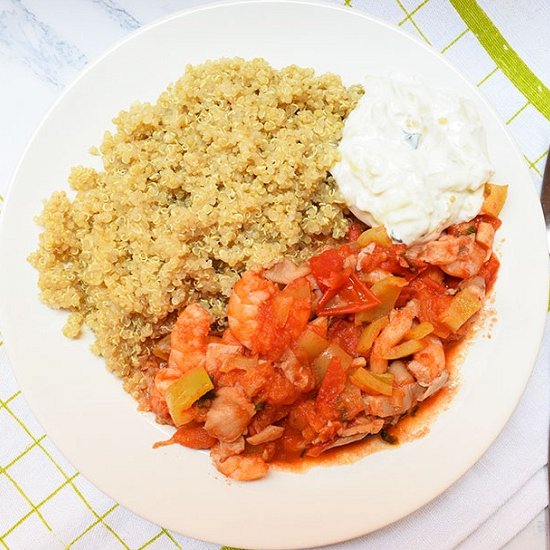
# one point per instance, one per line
(460, 256)
(401, 375)
(251, 294)
(435, 386)
(239, 467)
(401, 401)
(428, 363)
(469, 262)
(401, 321)
(363, 425)
(217, 356)
(229, 414)
(189, 338)
(225, 449)
(188, 341)
(269, 433)
(300, 375)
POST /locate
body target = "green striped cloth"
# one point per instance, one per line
(502, 47)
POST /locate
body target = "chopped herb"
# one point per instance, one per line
(388, 438)
(471, 230)
(259, 406)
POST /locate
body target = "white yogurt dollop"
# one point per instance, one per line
(413, 158)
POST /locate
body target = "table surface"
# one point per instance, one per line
(44, 45)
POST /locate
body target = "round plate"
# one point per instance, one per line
(95, 424)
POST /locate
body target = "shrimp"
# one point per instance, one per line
(265, 319)
(229, 414)
(428, 363)
(435, 386)
(188, 339)
(401, 401)
(460, 256)
(247, 308)
(301, 376)
(400, 323)
(188, 342)
(240, 467)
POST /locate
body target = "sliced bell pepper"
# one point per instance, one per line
(370, 333)
(386, 291)
(405, 348)
(495, 197)
(352, 297)
(377, 235)
(310, 344)
(322, 361)
(419, 331)
(463, 306)
(372, 383)
(181, 395)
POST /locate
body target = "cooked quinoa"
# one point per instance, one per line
(227, 171)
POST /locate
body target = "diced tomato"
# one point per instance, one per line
(389, 259)
(354, 231)
(352, 297)
(280, 390)
(332, 386)
(495, 222)
(266, 416)
(290, 446)
(195, 437)
(489, 271)
(346, 335)
(351, 402)
(327, 266)
(326, 263)
(284, 318)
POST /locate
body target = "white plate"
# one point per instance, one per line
(95, 424)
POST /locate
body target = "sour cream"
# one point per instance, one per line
(413, 158)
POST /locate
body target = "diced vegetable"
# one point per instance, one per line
(370, 333)
(351, 297)
(321, 363)
(376, 235)
(195, 437)
(495, 197)
(320, 326)
(402, 350)
(373, 383)
(281, 308)
(332, 386)
(181, 395)
(419, 331)
(239, 362)
(311, 344)
(464, 305)
(162, 347)
(387, 291)
(328, 263)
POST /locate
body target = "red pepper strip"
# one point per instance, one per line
(352, 297)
